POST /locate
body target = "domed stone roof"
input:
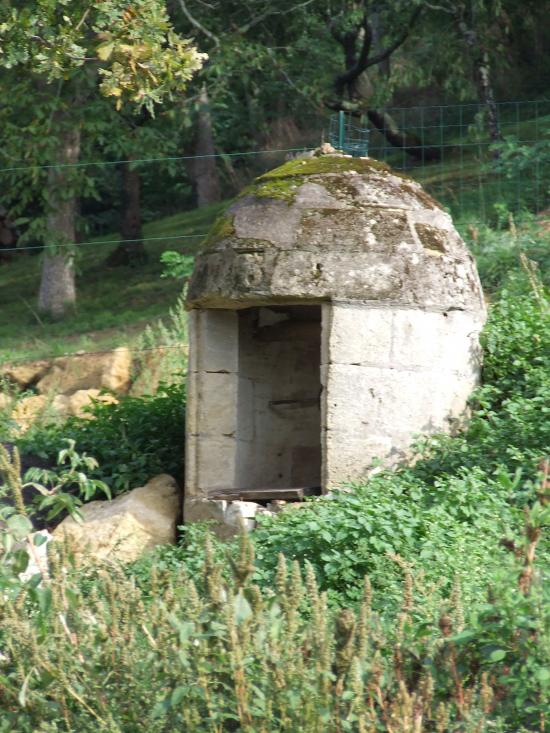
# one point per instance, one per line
(333, 227)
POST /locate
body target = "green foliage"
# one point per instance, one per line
(450, 527)
(62, 490)
(177, 265)
(132, 441)
(72, 473)
(114, 304)
(197, 545)
(498, 249)
(139, 56)
(161, 355)
(515, 159)
(509, 429)
(213, 652)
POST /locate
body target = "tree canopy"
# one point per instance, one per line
(66, 57)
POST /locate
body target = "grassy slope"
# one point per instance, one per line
(114, 304)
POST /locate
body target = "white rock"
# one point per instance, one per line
(128, 526)
(69, 374)
(79, 401)
(38, 556)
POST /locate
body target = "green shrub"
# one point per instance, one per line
(510, 425)
(132, 441)
(161, 352)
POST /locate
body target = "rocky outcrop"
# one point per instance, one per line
(110, 370)
(25, 375)
(29, 409)
(33, 408)
(88, 371)
(128, 526)
(65, 386)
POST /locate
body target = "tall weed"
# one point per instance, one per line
(215, 653)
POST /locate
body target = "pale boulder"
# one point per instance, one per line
(79, 401)
(60, 406)
(28, 410)
(117, 371)
(38, 407)
(68, 374)
(27, 374)
(128, 526)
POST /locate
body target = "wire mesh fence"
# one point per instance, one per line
(347, 136)
(448, 149)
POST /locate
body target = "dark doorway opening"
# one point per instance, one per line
(278, 404)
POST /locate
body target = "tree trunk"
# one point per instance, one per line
(205, 172)
(131, 252)
(8, 236)
(57, 292)
(482, 78)
(482, 72)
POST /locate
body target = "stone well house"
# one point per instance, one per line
(334, 315)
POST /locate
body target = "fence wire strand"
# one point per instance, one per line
(139, 161)
(107, 241)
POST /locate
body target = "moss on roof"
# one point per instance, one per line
(323, 164)
(283, 182)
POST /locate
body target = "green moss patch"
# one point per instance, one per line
(283, 189)
(221, 229)
(283, 182)
(323, 164)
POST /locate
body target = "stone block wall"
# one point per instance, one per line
(293, 396)
(389, 374)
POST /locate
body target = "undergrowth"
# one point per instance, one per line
(132, 441)
(449, 633)
(213, 652)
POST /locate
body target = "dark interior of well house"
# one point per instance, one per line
(279, 402)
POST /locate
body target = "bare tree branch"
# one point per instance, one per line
(364, 62)
(383, 55)
(196, 23)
